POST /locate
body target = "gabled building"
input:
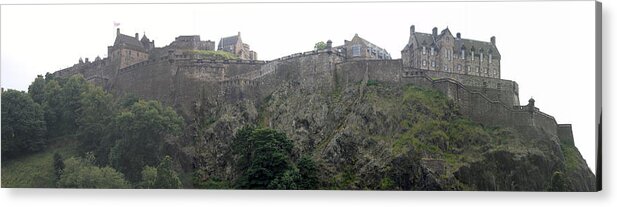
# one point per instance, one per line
(445, 52)
(234, 45)
(128, 50)
(361, 49)
(191, 42)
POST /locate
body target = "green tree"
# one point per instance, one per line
(267, 154)
(320, 45)
(148, 177)
(58, 166)
(78, 173)
(308, 174)
(140, 132)
(23, 124)
(166, 177)
(52, 106)
(95, 112)
(36, 90)
(71, 96)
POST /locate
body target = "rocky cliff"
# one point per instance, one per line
(378, 135)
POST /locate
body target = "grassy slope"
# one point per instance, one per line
(36, 170)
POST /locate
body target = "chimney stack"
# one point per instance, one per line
(118, 31)
(137, 36)
(329, 44)
(412, 29)
(458, 35)
(435, 31)
(493, 40)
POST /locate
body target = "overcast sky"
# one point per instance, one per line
(546, 47)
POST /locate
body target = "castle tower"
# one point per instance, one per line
(127, 50)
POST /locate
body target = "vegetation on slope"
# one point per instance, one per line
(98, 139)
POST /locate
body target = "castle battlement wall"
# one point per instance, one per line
(475, 104)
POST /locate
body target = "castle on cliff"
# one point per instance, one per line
(467, 71)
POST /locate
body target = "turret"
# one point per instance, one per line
(531, 106)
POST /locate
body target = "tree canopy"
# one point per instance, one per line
(23, 124)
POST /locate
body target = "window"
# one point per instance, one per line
(458, 67)
(472, 55)
(445, 68)
(355, 50)
(463, 54)
(468, 69)
(423, 62)
(433, 63)
(432, 50)
(477, 69)
(490, 58)
(423, 50)
(481, 57)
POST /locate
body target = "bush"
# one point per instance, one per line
(78, 173)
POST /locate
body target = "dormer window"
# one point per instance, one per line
(355, 50)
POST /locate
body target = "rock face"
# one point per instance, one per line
(374, 135)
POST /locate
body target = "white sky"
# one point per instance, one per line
(547, 47)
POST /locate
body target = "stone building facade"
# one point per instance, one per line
(234, 45)
(129, 50)
(360, 49)
(191, 42)
(447, 53)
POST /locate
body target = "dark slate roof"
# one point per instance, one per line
(225, 41)
(424, 39)
(477, 46)
(128, 41)
(145, 39)
(366, 42)
(428, 40)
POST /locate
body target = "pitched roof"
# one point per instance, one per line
(128, 41)
(428, 40)
(477, 46)
(225, 41)
(366, 42)
(145, 39)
